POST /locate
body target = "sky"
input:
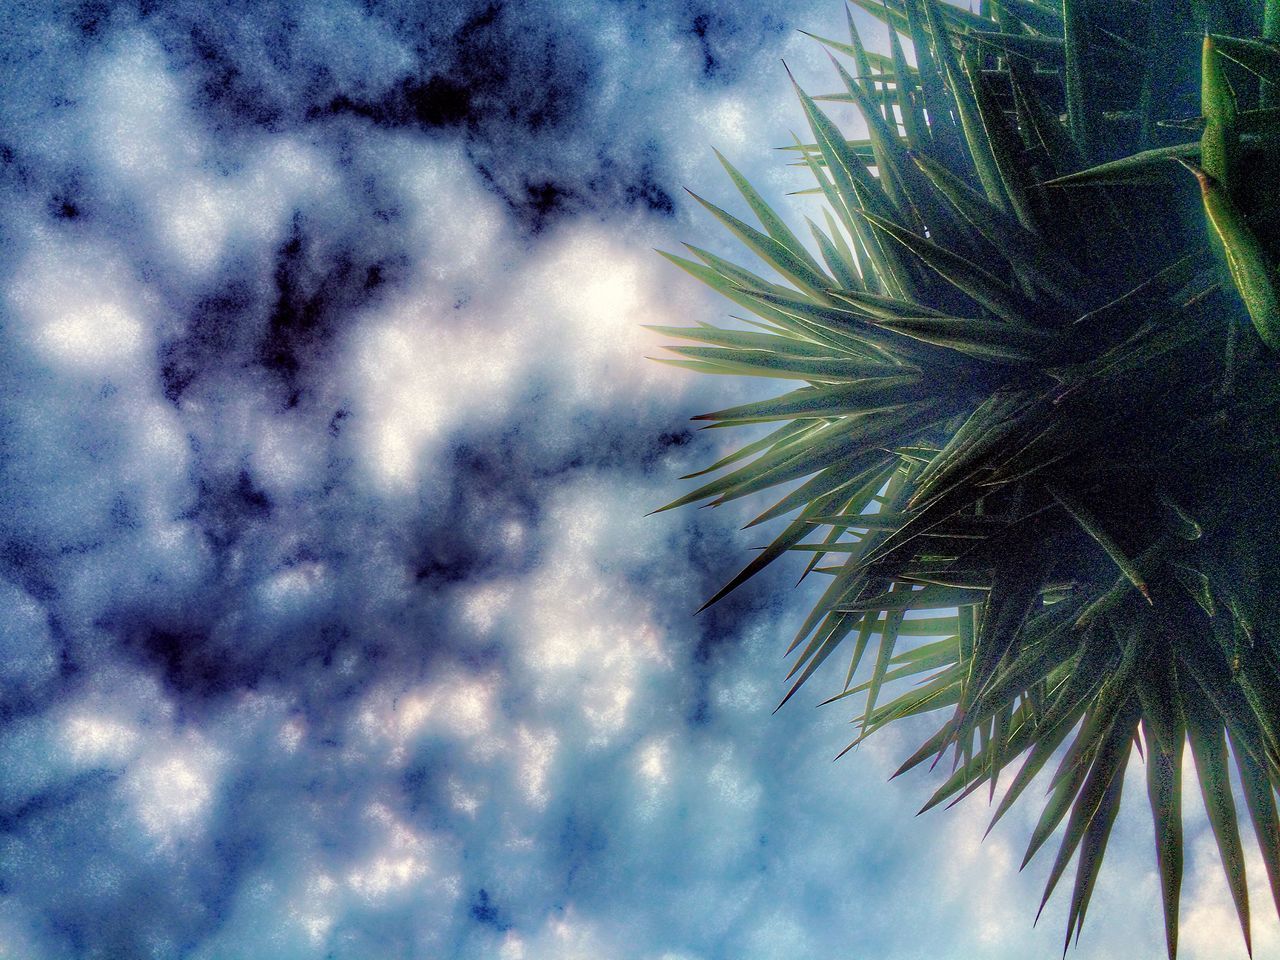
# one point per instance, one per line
(332, 624)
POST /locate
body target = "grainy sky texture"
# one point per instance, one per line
(331, 625)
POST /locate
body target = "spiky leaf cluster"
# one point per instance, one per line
(1035, 442)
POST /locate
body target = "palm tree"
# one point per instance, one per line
(1036, 451)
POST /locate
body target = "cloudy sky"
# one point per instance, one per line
(331, 622)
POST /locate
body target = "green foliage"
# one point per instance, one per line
(1037, 399)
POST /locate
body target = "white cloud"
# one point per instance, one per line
(588, 642)
(173, 786)
(421, 377)
(424, 369)
(99, 739)
(399, 864)
(145, 134)
(1210, 929)
(563, 936)
(80, 310)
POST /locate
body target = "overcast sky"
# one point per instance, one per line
(331, 625)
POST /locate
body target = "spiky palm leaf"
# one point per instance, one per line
(1039, 400)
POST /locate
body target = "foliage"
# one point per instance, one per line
(1036, 448)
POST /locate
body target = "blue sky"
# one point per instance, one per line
(332, 622)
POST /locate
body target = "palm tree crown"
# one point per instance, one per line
(1036, 448)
